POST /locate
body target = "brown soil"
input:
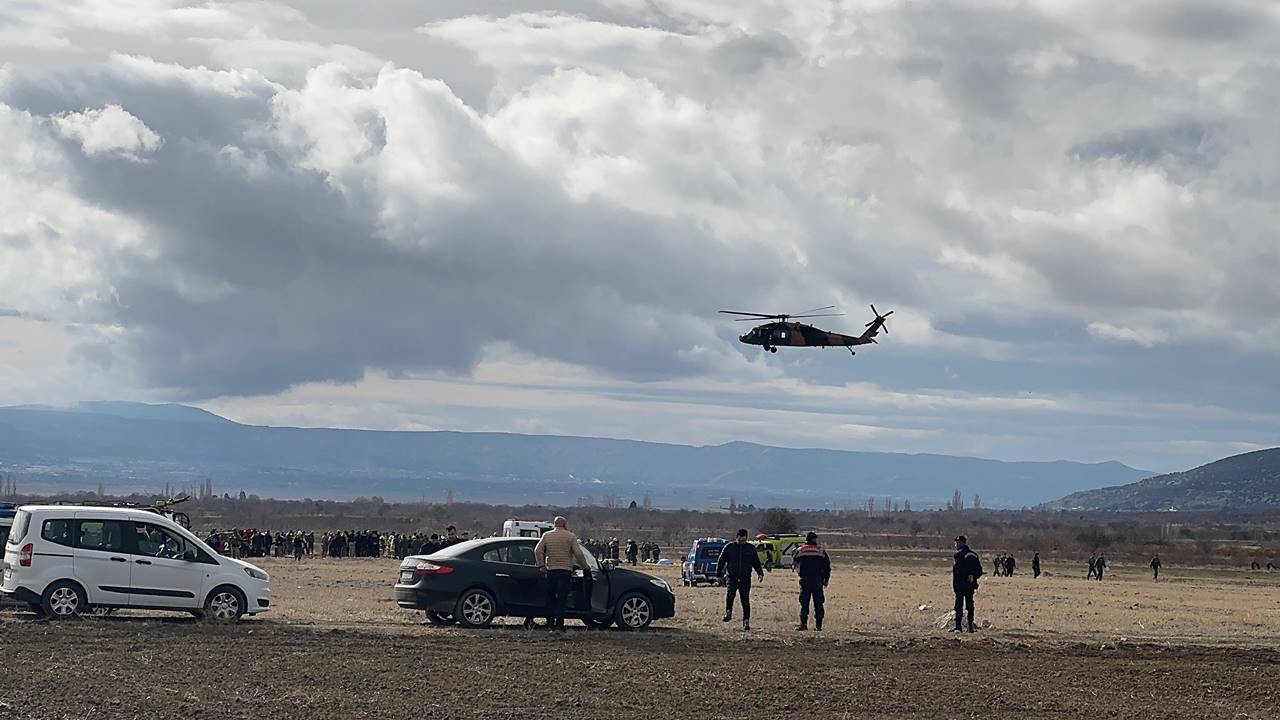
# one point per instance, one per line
(337, 647)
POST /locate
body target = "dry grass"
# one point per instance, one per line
(877, 596)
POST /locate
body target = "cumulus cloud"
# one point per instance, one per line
(108, 131)
(1030, 186)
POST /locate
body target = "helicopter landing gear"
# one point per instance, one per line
(851, 352)
(771, 348)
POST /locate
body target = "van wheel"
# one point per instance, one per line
(476, 608)
(224, 604)
(439, 618)
(634, 612)
(64, 599)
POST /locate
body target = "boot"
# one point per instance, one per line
(746, 624)
(727, 616)
(802, 626)
(971, 627)
(817, 625)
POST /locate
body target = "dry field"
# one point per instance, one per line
(1200, 643)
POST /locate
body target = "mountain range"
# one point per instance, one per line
(1250, 481)
(137, 447)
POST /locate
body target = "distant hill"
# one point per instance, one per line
(1241, 482)
(143, 447)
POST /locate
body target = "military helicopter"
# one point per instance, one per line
(782, 333)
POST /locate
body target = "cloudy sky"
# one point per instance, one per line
(478, 215)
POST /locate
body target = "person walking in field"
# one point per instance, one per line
(555, 554)
(1035, 565)
(1009, 565)
(1093, 567)
(1101, 565)
(1155, 568)
(965, 572)
(737, 561)
(814, 568)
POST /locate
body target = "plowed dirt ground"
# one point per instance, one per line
(1197, 644)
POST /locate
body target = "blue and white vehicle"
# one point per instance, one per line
(700, 563)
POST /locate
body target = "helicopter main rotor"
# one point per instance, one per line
(756, 317)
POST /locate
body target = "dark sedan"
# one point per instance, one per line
(473, 582)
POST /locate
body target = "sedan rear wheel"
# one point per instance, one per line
(476, 608)
(634, 612)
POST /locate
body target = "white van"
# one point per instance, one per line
(525, 528)
(64, 560)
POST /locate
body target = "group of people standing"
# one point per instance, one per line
(649, 552)
(739, 560)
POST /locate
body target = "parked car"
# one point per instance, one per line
(472, 583)
(699, 565)
(66, 560)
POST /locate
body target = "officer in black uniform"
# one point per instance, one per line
(964, 580)
(814, 568)
(737, 561)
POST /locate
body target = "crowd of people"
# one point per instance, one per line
(298, 544)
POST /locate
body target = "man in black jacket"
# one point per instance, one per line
(737, 561)
(814, 568)
(964, 580)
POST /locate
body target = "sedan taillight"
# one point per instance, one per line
(429, 568)
(25, 554)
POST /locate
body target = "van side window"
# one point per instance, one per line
(105, 535)
(57, 531)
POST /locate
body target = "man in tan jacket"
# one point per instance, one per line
(555, 554)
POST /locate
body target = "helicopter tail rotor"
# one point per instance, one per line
(879, 322)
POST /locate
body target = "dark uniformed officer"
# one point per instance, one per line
(737, 561)
(1035, 565)
(964, 580)
(814, 568)
(1155, 568)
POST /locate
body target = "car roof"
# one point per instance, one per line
(106, 511)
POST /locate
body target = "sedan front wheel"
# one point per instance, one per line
(634, 612)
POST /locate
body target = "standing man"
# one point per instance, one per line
(964, 580)
(1155, 568)
(1009, 565)
(1035, 565)
(1102, 565)
(737, 561)
(1093, 566)
(814, 568)
(555, 554)
(450, 537)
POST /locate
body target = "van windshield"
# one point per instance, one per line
(20, 523)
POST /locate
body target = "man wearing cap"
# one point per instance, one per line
(814, 568)
(556, 553)
(964, 580)
(737, 561)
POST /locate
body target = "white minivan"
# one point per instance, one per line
(64, 560)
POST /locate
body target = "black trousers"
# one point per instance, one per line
(811, 589)
(742, 588)
(964, 599)
(558, 582)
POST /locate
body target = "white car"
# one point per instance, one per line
(65, 560)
